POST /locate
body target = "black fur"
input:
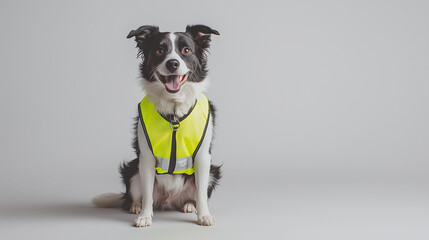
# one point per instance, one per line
(128, 170)
(213, 114)
(135, 143)
(216, 174)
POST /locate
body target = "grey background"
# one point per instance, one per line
(322, 121)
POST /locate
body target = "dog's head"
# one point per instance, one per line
(173, 63)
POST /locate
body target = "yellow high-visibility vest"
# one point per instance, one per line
(175, 142)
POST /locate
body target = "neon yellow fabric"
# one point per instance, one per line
(188, 135)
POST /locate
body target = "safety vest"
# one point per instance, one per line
(175, 142)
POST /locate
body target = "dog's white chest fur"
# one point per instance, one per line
(171, 184)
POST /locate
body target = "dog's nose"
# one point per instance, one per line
(172, 65)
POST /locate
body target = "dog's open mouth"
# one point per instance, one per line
(173, 83)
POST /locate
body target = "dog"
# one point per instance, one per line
(173, 75)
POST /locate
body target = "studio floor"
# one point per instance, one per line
(290, 210)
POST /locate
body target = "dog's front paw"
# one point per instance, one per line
(207, 220)
(143, 221)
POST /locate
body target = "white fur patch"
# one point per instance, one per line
(172, 184)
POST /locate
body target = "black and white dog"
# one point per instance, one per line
(173, 70)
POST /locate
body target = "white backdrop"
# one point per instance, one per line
(315, 99)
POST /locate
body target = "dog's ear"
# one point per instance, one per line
(201, 34)
(143, 32)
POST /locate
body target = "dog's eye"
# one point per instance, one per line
(159, 52)
(186, 51)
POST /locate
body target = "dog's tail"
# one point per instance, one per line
(107, 200)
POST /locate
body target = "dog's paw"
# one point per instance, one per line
(188, 208)
(136, 208)
(143, 221)
(207, 220)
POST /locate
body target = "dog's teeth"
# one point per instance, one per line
(180, 77)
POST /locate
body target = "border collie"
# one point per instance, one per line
(173, 72)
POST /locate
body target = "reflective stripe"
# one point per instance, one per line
(182, 164)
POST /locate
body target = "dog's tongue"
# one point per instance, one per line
(173, 83)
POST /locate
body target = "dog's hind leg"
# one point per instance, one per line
(136, 194)
(189, 207)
